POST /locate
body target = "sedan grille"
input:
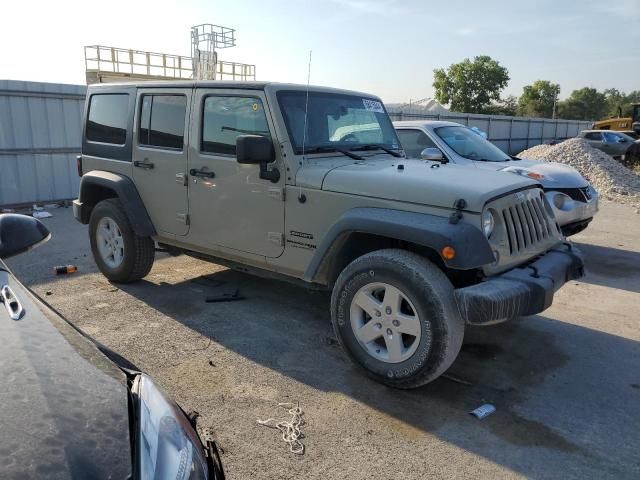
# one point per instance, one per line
(528, 223)
(582, 194)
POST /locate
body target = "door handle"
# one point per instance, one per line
(144, 164)
(201, 173)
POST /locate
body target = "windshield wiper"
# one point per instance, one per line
(378, 147)
(334, 149)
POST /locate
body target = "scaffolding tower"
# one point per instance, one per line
(110, 64)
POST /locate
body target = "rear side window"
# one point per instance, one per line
(593, 136)
(225, 118)
(414, 142)
(107, 120)
(162, 121)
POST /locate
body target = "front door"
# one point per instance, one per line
(160, 156)
(230, 206)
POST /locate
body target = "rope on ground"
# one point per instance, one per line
(290, 430)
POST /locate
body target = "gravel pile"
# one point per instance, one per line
(612, 179)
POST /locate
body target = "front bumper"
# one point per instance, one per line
(521, 291)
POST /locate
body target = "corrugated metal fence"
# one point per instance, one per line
(511, 134)
(40, 126)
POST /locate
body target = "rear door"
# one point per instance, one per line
(160, 156)
(594, 139)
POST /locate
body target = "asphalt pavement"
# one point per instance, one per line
(565, 384)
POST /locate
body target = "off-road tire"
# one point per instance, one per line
(139, 252)
(430, 292)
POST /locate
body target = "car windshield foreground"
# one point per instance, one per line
(470, 145)
(337, 121)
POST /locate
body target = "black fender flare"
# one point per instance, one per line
(95, 182)
(471, 246)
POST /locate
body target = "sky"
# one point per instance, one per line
(384, 47)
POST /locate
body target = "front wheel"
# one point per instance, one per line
(121, 255)
(394, 313)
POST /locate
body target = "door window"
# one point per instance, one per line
(162, 121)
(226, 118)
(611, 137)
(108, 115)
(593, 136)
(414, 141)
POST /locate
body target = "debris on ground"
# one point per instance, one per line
(483, 411)
(224, 297)
(41, 214)
(36, 208)
(62, 269)
(8, 210)
(608, 176)
(451, 378)
(290, 430)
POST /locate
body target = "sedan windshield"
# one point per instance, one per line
(469, 144)
(336, 121)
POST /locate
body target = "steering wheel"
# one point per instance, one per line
(349, 138)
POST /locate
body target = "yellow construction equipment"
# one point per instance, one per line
(620, 122)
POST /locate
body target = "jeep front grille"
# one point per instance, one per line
(528, 223)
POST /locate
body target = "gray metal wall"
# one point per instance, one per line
(40, 127)
(511, 134)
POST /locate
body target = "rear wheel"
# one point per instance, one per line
(394, 313)
(120, 254)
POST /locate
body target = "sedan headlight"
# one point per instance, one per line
(525, 172)
(488, 223)
(561, 201)
(167, 444)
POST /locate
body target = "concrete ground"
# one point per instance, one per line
(566, 383)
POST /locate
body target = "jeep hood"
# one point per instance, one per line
(422, 182)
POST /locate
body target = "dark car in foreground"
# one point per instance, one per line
(72, 408)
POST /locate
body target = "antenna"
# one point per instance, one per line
(306, 107)
(301, 196)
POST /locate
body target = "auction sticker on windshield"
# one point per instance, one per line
(372, 105)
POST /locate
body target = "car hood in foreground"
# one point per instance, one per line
(63, 404)
(556, 175)
(422, 182)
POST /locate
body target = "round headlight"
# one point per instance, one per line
(563, 202)
(488, 222)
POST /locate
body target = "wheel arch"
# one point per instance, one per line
(96, 186)
(363, 230)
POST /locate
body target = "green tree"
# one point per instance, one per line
(616, 99)
(584, 104)
(537, 100)
(506, 106)
(470, 86)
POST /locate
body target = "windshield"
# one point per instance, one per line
(335, 120)
(469, 144)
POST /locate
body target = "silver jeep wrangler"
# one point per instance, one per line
(312, 184)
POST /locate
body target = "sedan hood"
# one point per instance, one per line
(556, 175)
(421, 182)
(64, 404)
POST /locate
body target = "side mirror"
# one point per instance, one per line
(19, 233)
(256, 149)
(433, 154)
(622, 140)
